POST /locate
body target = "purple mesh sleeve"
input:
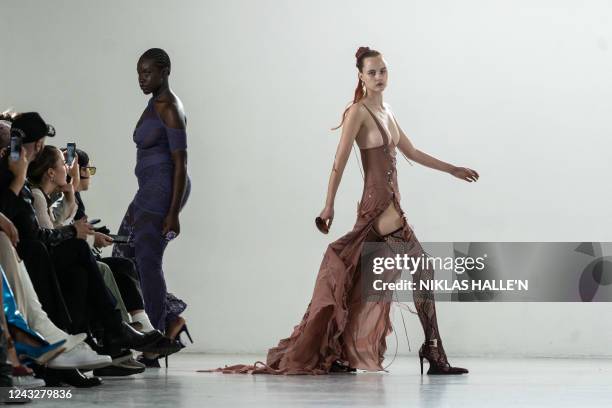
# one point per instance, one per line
(177, 139)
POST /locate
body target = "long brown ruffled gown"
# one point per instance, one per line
(339, 326)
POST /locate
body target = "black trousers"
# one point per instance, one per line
(126, 276)
(39, 264)
(84, 292)
(84, 289)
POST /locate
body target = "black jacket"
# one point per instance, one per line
(19, 209)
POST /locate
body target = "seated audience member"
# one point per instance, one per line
(62, 369)
(77, 353)
(47, 174)
(60, 254)
(44, 185)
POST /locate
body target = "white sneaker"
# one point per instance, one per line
(81, 357)
(27, 381)
(73, 340)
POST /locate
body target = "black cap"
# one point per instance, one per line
(31, 127)
(82, 154)
(83, 157)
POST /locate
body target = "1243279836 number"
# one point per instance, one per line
(46, 393)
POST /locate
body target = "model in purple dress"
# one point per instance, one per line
(152, 218)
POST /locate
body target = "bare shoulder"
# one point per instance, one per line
(356, 112)
(170, 110)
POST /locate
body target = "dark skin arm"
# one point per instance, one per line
(172, 115)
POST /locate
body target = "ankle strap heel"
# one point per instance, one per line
(433, 352)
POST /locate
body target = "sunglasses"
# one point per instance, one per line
(90, 169)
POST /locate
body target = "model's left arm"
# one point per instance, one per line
(411, 152)
(175, 123)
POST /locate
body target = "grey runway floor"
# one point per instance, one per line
(491, 383)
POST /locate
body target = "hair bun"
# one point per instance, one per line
(361, 51)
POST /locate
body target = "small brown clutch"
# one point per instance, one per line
(321, 225)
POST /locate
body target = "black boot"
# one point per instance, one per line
(149, 362)
(129, 367)
(164, 346)
(117, 355)
(59, 378)
(126, 337)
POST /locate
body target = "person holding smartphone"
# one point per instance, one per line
(63, 270)
(152, 218)
(48, 174)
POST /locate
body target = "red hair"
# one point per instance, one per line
(361, 54)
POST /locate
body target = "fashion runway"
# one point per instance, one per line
(534, 382)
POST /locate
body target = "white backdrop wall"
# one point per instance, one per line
(518, 90)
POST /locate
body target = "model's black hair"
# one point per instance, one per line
(158, 56)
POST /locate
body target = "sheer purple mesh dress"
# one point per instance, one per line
(143, 220)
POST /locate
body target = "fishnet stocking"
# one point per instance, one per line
(423, 296)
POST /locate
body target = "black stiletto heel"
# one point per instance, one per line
(186, 330)
(433, 352)
(178, 339)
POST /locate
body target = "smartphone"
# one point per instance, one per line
(70, 153)
(94, 221)
(120, 239)
(16, 143)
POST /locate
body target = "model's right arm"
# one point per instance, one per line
(352, 124)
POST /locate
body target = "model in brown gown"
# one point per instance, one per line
(340, 330)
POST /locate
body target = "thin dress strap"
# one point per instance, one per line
(381, 129)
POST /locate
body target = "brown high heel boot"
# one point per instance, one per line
(432, 349)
